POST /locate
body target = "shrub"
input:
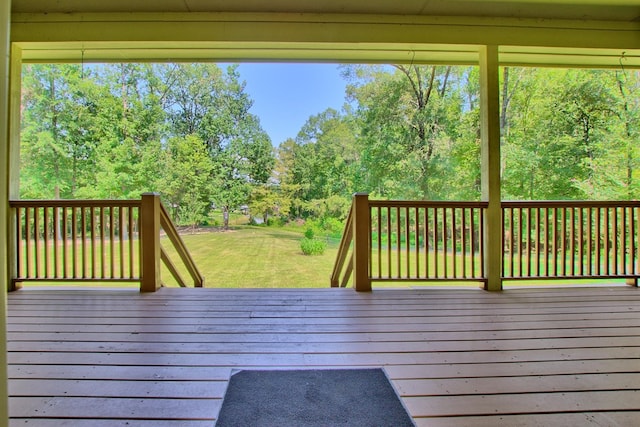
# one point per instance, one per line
(333, 226)
(309, 233)
(312, 246)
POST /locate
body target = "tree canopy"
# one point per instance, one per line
(405, 132)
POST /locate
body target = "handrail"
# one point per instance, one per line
(444, 241)
(405, 240)
(571, 239)
(570, 203)
(95, 241)
(343, 252)
(172, 233)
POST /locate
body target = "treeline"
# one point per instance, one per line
(413, 132)
(408, 132)
(116, 131)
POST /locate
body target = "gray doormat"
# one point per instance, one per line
(339, 397)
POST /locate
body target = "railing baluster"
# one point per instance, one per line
(509, 241)
(607, 239)
(454, 243)
(625, 227)
(46, 245)
(398, 243)
(474, 241)
(436, 238)
(83, 234)
(407, 232)
(481, 243)
(590, 247)
(635, 259)
(445, 238)
(94, 255)
(36, 235)
(529, 239)
(546, 241)
(64, 243)
(565, 242)
(27, 240)
(103, 252)
(520, 241)
(417, 234)
(121, 238)
(614, 228)
(112, 243)
(21, 245)
(597, 237)
(74, 242)
(464, 242)
(130, 225)
(427, 245)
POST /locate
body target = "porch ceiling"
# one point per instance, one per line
(586, 33)
(608, 10)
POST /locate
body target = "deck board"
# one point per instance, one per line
(544, 356)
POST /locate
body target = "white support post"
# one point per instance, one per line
(5, 182)
(490, 123)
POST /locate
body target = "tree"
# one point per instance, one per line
(58, 133)
(186, 185)
(408, 117)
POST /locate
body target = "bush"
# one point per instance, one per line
(312, 246)
(309, 233)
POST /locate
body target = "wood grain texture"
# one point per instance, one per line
(526, 357)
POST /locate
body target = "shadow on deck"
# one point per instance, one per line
(105, 358)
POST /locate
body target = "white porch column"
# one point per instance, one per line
(5, 25)
(490, 123)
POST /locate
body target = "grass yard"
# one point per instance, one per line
(258, 257)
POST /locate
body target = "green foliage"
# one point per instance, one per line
(312, 246)
(309, 233)
(405, 132)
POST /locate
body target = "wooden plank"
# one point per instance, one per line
(395, 372)
(530, 403)
(113, 408)
(301, 358)
(520, 369)
(514, 385)
(548, 319)
(190, 389)
(39, 422)
(632, 343)
(113, 372)
(289, 305)
(187, 326)
(536, 420)
(188, 335)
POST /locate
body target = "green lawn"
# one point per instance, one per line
(258, 257)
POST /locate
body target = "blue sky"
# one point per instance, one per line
(286, 95)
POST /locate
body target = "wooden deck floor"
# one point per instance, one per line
(543, 357)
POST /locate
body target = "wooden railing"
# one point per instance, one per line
(96, 241)
(560, 239)
(411, 241)
(403, 241)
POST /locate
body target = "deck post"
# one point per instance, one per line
(632, 281)
(490, 129)
(361, 232)
(150, 242)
